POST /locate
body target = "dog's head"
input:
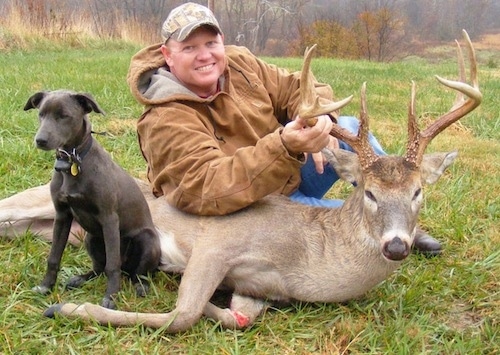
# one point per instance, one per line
(62, 116)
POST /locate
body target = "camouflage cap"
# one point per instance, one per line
(184, 19)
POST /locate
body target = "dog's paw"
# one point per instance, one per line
(44, 290)
(107, 302)
(75, 282)
(141, 289)
(53, 310)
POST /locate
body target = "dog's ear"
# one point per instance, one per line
(35, 100)
(88, 103)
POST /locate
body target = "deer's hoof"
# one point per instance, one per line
(53, 310)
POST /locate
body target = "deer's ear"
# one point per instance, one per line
(345, 163)
(433, 166)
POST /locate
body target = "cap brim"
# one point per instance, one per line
(183, 33)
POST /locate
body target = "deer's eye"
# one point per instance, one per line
(370, 195)
(417, 193)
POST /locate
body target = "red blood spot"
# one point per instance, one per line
(241, 319)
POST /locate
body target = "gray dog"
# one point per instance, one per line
(88, 187)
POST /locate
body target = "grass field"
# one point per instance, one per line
(444, 305)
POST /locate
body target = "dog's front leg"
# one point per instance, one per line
(62, 226)
(111, 232)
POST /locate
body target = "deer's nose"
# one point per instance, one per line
(396, 249)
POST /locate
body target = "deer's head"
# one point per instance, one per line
(388, 195)
(388, 191)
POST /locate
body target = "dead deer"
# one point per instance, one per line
(277, 250)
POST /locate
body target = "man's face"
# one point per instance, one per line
(198, 61)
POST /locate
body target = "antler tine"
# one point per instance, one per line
(413, 130)
(310, 106)
(359, 143)
(461, 73)
(418, 141)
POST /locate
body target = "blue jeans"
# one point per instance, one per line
(313, 185)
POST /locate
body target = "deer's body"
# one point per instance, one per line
(310, 259)
(316, 254)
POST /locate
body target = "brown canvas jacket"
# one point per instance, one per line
(217, 155)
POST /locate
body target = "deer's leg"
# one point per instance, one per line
(33, 203)
(241, 314)
(33, 210)
(204, 272)
(247, 307)
(40, 227)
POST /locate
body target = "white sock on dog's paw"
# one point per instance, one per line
(41, 289)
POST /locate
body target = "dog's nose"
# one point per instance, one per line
(41, 143)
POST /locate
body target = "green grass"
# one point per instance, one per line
(446, 305)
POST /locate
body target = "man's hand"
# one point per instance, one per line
(319, 158)
(299, 138)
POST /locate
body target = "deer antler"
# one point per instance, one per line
(359, 143)
(418, 141)
(310, 106)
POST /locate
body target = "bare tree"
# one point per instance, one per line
(380, 31)
(268, 15)
(253, 23)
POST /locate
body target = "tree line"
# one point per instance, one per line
(380, 30)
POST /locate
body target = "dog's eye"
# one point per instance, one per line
(60, 114)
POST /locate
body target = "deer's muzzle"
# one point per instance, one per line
(396, 249)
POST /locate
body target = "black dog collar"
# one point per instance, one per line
(69, 162)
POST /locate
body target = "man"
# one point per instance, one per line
(221, 128)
